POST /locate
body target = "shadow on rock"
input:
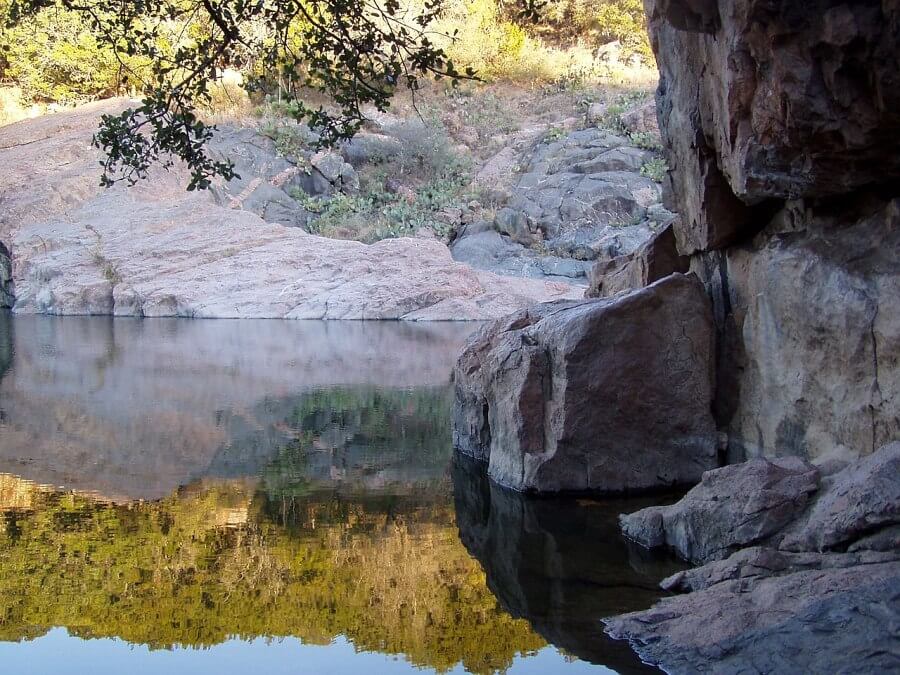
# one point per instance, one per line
(563, 569)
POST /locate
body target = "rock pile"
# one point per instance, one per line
(580, 199)
(801, 573)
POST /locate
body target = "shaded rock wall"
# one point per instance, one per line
(782, 125)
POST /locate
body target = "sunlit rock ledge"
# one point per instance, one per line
(156, 250)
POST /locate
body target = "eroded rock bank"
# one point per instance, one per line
(69, 247)
(801, 573)
(781, 127)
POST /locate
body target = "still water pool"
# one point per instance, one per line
(280, 497)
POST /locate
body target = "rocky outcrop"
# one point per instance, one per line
(732, 507)
(654, 260)
(155, 250)
(771, 101)
(857, 501)
(794, 575)
(809, 324)
(489, 250)
(780, 129)
(580, 194)
(581, 198)
(556, 397)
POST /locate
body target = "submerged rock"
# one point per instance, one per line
(610, 395)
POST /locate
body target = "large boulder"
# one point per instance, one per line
(610, 395)
(156, 250)
(732, 507)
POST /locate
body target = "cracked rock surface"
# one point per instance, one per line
(235, 251)
(800, 574)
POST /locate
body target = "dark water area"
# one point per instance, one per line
(221, 496)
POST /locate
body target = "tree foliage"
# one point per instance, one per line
(174, 52)
(355, 51)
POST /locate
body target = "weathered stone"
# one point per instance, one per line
(489, 251)
(763, 561)
(337, 174)
(642, 119)
(856, 501)
(821, 620)
(608, 395)
(514, 224)
(624, 158)
(732, 507)
(809, 332)
(654, 260)
(760, 100)
(157, 250)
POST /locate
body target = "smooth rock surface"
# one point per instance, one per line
(157, 250)
(732, 507)
(610, 395)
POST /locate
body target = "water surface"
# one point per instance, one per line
(221, 496)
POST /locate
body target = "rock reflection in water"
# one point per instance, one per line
(133, 408)
(562, 566)
(216, 481)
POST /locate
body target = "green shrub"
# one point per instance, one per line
(646, 141)
(655, 169)
(55, 58)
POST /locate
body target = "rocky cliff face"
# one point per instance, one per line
(783, 129)
(782, 125)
